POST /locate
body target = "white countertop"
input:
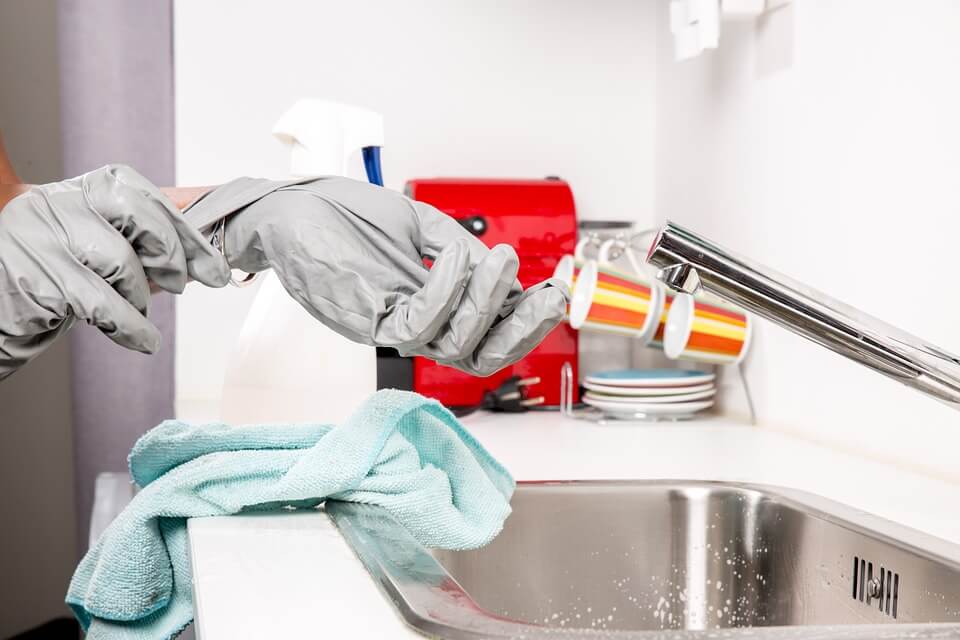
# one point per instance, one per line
(293, 576)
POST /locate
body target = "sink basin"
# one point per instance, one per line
(668, 559)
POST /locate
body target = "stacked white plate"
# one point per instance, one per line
(649, 393)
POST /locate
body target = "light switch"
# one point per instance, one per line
(695, 25)
(686, 43)
(678, 16)
(708, 23)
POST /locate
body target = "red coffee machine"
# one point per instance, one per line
(538, 219)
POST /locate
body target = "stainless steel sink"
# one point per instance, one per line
(669, 559)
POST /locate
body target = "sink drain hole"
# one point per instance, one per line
(884, 586)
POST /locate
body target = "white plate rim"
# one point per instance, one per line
(682, 408)
(641, 392)
(626, 402)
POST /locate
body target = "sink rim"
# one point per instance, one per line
(431, 601)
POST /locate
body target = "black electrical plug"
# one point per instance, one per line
(511, 396)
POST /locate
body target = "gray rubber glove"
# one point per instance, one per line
(352, 254)
(84, 249)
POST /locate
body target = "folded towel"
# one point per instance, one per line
(399, 450)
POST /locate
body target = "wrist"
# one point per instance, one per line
(10, 191)
(185, 197)
(238, 237)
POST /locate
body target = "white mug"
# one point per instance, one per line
(608, 299)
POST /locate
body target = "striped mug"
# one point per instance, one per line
(606, 299)
(704, 328)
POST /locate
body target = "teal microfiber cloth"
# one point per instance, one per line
(399, 450)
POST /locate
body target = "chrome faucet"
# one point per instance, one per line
(689, 262)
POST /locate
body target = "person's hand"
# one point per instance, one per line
(353, 255)
(84, 249)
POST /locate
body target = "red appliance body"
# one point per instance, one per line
(538, 219)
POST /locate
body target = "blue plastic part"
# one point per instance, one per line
(649, 374)
(371, 162)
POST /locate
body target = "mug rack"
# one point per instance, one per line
(621, 240)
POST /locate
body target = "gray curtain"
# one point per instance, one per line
(116, 65)
(37, 536)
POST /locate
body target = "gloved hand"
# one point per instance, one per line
(352, 254)
(84, 249)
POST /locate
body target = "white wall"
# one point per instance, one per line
(825, 141)
(467, 88)
(830, 114)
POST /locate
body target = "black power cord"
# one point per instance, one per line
(509, 397)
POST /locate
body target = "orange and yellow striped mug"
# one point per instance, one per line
(704, 328)
(607, 299)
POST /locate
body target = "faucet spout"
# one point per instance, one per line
(680, 277)
(688, 262)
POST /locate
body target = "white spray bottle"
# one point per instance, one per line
(286, 365)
